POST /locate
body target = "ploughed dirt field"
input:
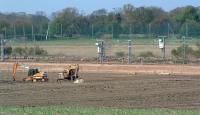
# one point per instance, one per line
(104, 90)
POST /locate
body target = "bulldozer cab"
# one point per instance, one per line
(32, 72)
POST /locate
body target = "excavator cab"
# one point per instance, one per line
(69, 73)
(32, 72)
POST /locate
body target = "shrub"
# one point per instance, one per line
(29, 51)
(120, 54)
(146, 54)
(198, 45)
(7, 50)
(196, 53)
(175, 53)
(18, 51)
(178, 52)
(40, 51)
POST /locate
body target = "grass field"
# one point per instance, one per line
(56, 42)
(55, 110)
(85, 47)
(89, 41)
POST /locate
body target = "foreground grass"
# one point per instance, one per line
(55, 110)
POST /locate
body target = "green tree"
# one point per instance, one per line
(67, 20)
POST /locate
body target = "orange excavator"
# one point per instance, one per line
(34, 74)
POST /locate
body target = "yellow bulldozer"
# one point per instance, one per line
(71, 73)
(34, 74)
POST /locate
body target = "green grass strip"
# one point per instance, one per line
(56, 110)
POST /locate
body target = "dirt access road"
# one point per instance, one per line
(113, 68)
(104, 90)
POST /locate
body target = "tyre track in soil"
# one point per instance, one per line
(105, 90)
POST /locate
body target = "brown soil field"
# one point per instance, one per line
(111, 68)
(118, 90)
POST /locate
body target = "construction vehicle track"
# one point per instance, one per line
(104, 90)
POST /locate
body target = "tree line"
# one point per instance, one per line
(128, 19)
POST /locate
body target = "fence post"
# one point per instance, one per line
(183, 49)
(92, 31)
(112, 32)
(2, 49)
(47, 33)
(61, 30)
(14, 31)
(129, 51)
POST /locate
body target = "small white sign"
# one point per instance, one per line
(161, 43)
(98, 49)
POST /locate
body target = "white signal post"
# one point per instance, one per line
(161, 41)
(100, 50)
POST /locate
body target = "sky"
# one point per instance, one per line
(86, 6)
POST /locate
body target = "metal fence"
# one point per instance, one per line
(127, 49)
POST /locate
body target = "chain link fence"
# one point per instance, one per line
(120, 51)
(134, 46)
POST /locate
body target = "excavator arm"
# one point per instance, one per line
(15, 66)
(14, 71)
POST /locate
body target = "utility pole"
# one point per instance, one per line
(129, 51)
